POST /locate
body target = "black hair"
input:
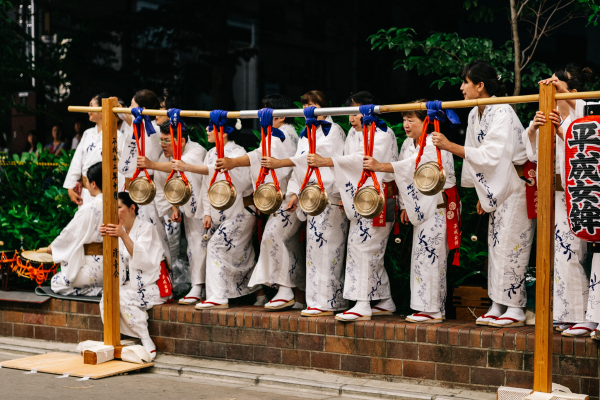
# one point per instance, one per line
(94, 174)
(482, 71)
(164, 128)
(575, 76)
(232, 122)
(99, 98)
(278, 102)
(124, 197)
(168, 100)
(147, 99)
(360, 99)
(315, 97)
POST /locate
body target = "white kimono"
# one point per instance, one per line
(326, 233)
(88, 153)
(128, 165)
(430, 241)
(140, 292)
(230, 256)
(366, 278)
(79, 274)
(193, 211)
(570, 279)
(281, 259)
(493, 146)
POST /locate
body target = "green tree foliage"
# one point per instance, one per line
(33, 204)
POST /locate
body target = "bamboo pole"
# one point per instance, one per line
(112, 331)
(542, 377)
(297, 112)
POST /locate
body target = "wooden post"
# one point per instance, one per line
(542, 378)
(112, 331)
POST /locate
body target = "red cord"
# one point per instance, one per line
(312, 148)
(220, 149)
(266, 152)
(423, 142)
(369, 143)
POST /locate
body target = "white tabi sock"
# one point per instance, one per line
(284, 293)
(149, 346)
(497, 309)
(196, 291)
(386, 304)
(362, 307)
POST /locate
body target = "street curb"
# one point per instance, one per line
(266, 381)
(293, 384)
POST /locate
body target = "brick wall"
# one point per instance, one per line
(451, 354)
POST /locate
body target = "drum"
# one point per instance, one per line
(221, 195)
(267, 198)
(177, 192)
(312, 200)
(429, 179)
(142, 191)
(35, 265)
(368, 203)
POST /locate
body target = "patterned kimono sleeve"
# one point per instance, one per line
(298, 172)
(74, 173)
(194, 154)
(147, 252)
(530, 148)
(84, 228)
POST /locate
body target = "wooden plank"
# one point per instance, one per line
(112, 331)
(62, 363)
(542, 378)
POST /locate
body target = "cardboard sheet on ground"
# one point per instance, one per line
(47, 291)
(62, 363)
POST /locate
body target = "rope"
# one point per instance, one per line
(141, 146)
(39, 274)
(220, 149)
(311, 135)
(368, 143)
(177, 150)
(266, 152)
(423, 142)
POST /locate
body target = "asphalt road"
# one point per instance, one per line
(15, 384)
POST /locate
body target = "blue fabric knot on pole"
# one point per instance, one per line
(265, 117)
(434, 111)
(309, 113)
(369, 117)
(139, 118)
(218, 118)
(175, 118)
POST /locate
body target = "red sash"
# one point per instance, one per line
(529, 173)
(165, 286)
(380, 219)
(453, 222)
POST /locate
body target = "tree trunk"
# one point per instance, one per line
(517, 46)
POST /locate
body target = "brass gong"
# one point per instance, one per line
(142, 191)
(221, 196)
(368, 203)
(177, 192)
(429, 179)
(312, 200)
(267, 198)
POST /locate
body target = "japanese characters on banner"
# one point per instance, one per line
(582, 173)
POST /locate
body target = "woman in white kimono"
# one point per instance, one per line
(281, 259)
(571, 288)
(128, 161)
(428, 215)
(366, 278)
(79, 274)
(88, 153)
(230, 254)
(493, 152)
(193, 211)
(140, 258)
(327, 232)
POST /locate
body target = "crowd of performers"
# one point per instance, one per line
(343, 259)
